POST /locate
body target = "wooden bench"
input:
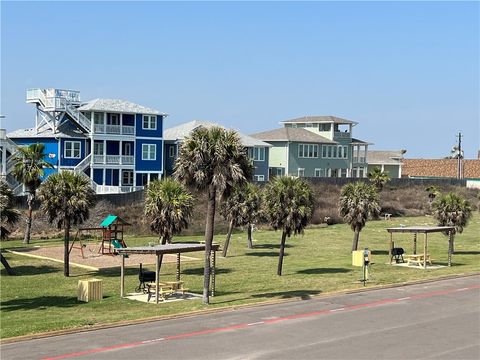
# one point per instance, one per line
(164, 290)
(417, 260)
(177, 286)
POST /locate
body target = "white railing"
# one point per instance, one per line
(82, 165)
(112, 129)
(99, 128)
(359, 159)
(81, 119)
(127, 160)
(98, 159)
(113, 159)
(110, 189)
(128, 130)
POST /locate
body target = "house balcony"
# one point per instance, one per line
(359, 160)
(341, 135)
(110, 189)
(113, 159)
(114, 129)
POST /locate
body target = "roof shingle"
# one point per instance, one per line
(292, 134)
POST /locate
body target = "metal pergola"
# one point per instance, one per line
(415, 230)
(160, 250)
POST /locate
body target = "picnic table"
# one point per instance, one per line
(418, 259)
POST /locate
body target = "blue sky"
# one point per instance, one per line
(408, 72)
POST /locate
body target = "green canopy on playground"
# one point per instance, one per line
(110, 219)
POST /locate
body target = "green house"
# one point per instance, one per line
(316, 146)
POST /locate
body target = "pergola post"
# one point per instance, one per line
(414, 243)
(178, 267)
(450, 247)
(122, 277)
(425, 252)
(157, 278)
(390, 248)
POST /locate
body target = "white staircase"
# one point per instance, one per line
(84, 164)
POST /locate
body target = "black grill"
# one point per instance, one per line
(144, 277)
(397, 254)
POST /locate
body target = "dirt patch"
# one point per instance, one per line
(97, 260)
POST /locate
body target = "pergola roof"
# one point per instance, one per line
(166, 249)
(420, 229)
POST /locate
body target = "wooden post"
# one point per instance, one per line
(213, 272)
(425, 252)
(450, 246)
(414, 243)
(390, 248)
(157, 276)
(122, 277)
(178, 267)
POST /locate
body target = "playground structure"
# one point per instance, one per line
(112, 228)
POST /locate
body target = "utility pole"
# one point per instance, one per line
(459, 156)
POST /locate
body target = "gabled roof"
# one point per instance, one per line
(384, 157)
(319, 119)
(292, 134)
(178, 133)
(65, 130)
(120, 106)
(110, 219)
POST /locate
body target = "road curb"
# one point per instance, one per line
(223, 309)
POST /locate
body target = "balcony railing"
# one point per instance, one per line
(114, 129)
(109, 189)
(359, 159)
(113, 159)
(342, 135)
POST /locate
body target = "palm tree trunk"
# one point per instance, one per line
(208, 241)
(6, 265)
(356, 235)
(227, 240)
(249, 236)
(282, 252)
(26, 239)
(66, 255)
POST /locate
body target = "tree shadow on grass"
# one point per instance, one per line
(199, 271)
(28, 270)
(264, 253)
(471, 252)
(379, 252)
(323, 271)
(40, 303)
(115, 272)
(270, 246)
(303, 294)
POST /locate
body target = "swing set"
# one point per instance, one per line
(112, 228)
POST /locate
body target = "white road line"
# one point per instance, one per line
(333, 310)
(462, 289)
(256, 323)
(153, 340)
(405, 298)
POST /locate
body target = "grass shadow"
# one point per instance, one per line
(264, 254)
(40, 303)
(471, 252)
(324, 271)
(28, 270)
(199, 271)
(270, 246)
(303, 294)
(379, 252)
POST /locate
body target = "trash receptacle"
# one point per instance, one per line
(90, 290)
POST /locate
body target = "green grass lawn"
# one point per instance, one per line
(41, 299)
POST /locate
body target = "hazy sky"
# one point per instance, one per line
(408, 72)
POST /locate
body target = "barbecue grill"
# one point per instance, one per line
(397, 254)
(144, 277)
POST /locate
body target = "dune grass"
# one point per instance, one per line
(41, 299)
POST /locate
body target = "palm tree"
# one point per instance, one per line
(29, 163)
(358, 203)
(243, 207)
(66, 198)
(433, 192)
(212, 160)
(289, 206)
(378, 177)
(452, 210)
(8, 216)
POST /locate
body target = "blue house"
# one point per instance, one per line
(117, 144)
(258, 151)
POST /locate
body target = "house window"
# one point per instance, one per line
(149, 122)
(149, 152)
(114, 119)
(334, 151)
(343, 173)
(318, 172)
(324, 127)
(72, 150)
(259, 177)
(98, 148)
(324, 151)
(127, 177)
(256, 153)
(329, 151)
(307, 151)
(279, 172)
(301, 172)
(98, 118)
(345, 152)
(171, 151)
(127, 149)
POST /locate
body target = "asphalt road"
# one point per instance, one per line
(437, 320)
